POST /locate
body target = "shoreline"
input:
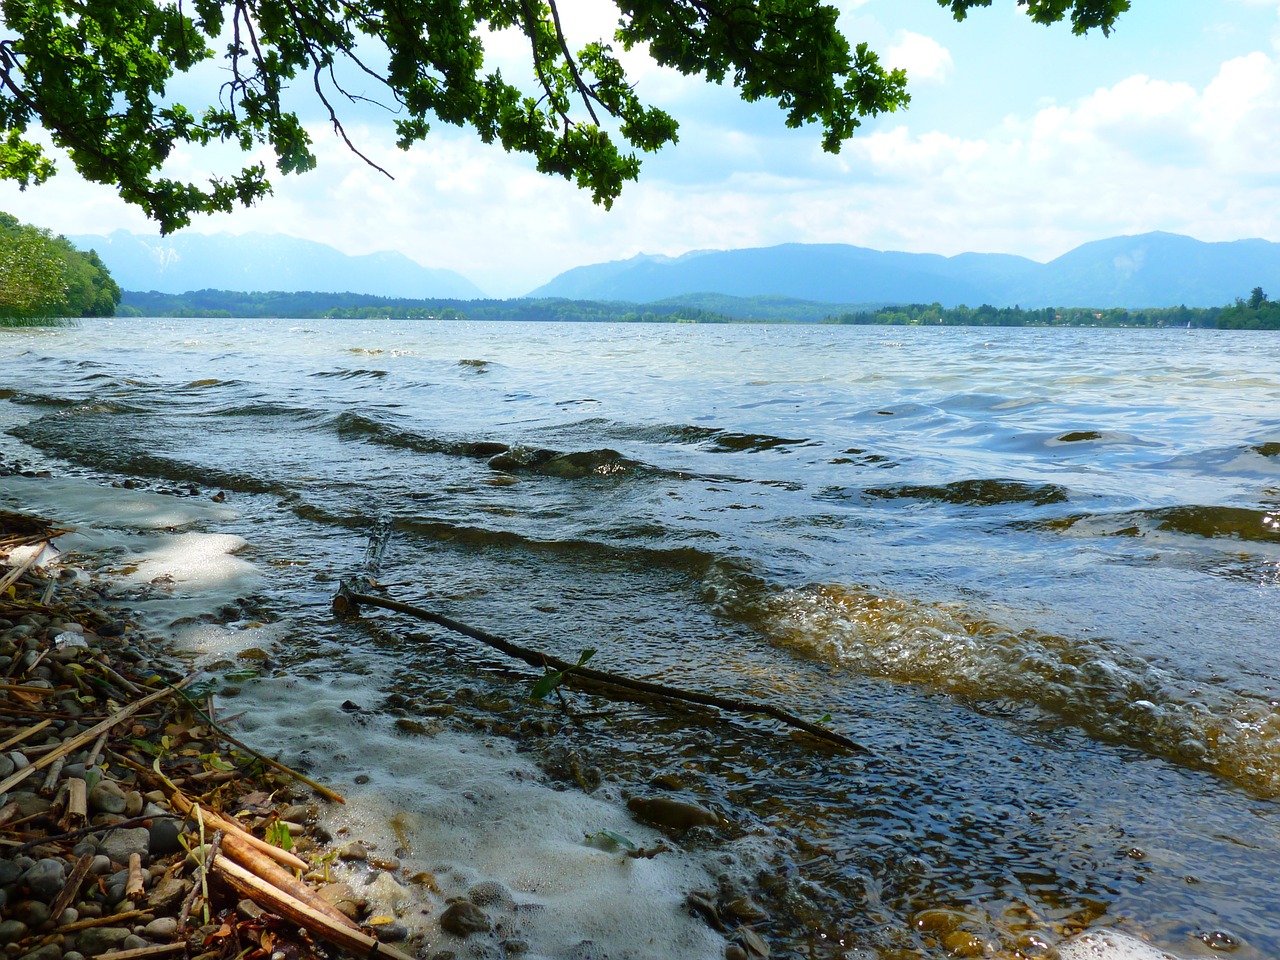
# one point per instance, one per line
(99, 840)
(424, 902)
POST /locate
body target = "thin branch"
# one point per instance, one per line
(584, 91)
(575, 673)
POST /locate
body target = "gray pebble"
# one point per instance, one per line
(391, 932)
(101, 864)
(12, 931)
(118, 844)
(9, 872)
(45, 878)
(107, 797)
(50, 951)
(98, 940)
(6, 765)
(161, 928)
(31, 912)
(133, 942)
(164, 837)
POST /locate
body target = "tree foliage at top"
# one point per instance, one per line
(45, 276)
(95, 74)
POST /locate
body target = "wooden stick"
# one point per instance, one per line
(26, 688)
(24, 734)
(51, 778)
(574, 673)
(77, 805)
(268, 870)
(184, 805)
(80, 739)
(157, 950)
(246, 884)
(91, 760)
(71, 889)
(135, 887)
(107, 921)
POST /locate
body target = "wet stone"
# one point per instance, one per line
(9, 872)
(673, 814)
(12, 930)
(50, 951)
(463, 918)
(355, 850)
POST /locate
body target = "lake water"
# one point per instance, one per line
(1035, 573)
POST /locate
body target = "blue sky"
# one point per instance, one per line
(1020, 139)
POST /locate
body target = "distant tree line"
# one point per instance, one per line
(355, 306)
(934, 314)
(1256, 313)
(42, 275)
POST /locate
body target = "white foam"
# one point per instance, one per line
(475, 810)
(1109, 945)
(73, 501)
(137, 538)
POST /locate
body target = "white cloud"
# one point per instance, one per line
(922, 57)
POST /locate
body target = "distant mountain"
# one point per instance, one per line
(259, 262)
(1150, 270)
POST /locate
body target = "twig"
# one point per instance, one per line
(71, 888)
(24, 734)
(575, 673)
(189, 900)
(79, 740)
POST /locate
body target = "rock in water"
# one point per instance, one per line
(674, 814)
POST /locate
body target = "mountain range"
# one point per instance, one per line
(1148, 270)
(260, 262)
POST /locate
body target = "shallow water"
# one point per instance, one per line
(1035, 572)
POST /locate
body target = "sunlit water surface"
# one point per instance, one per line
(1036, 573)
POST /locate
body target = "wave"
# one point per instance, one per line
(343, 374)
(500, 456)
(1112, 696)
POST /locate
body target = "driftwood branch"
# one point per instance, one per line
(574, 674)
(280, 902)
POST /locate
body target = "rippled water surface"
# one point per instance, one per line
(1036, 573)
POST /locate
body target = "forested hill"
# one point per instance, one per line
(43, 275)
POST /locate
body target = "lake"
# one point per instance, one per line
(1035, 573)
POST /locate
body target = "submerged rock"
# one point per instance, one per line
(463, 918)
(673, 814)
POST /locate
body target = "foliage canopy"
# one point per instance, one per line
(96, 74)
(43, 276)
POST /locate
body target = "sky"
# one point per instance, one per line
(1019, 139)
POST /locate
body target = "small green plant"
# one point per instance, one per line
(278, 835)
(551, 680)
